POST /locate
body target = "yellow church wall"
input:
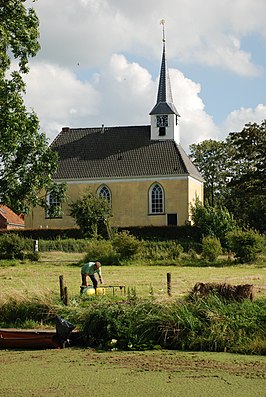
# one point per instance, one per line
(130, 202)
(195, 191)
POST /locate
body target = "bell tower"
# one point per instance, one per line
(164, 116)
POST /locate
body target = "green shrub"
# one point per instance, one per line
(65, 245)
(246, 245)
(207, 324)
(12, 247)
(103, 251)
(211, 248)
(175, 251)
(125, 244)
(157, 251)
(213, 221)
(192, 255)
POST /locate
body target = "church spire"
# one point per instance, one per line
(164, 90)
(164, 112)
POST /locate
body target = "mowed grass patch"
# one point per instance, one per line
(75, 372)
(43, 277)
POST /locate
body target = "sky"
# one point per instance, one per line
(100, 60)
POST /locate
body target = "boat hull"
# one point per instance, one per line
(29, 339)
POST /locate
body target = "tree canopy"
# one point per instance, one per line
(235, 173)
(91, 212)
(212, 160)
(27, 164)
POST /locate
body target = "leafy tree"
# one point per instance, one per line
(247, 188)
(213, 161)
(91, 212)
(213, 221)
(27, 164)
(235, 174)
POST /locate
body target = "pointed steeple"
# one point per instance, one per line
(164, 109)
(164, 102)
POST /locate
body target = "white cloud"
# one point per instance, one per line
(84, 75)
(59, 98)
(123, 93)
(208, 32)
(237, 119)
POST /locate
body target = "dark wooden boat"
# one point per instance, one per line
(37, 339)
(29, 339)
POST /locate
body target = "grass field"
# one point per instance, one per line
(43, 276)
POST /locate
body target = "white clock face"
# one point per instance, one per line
(162, 121)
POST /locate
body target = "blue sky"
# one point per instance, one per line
(100, 61)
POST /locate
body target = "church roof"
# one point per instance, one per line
(118, 152)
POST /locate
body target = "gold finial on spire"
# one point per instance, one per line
(162, 22)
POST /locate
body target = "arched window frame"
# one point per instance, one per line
(156, 199)
(53, 208)
(105, 192)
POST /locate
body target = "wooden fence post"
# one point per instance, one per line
(65, 299)
(63, 290)
(61, 284)
(169, 284)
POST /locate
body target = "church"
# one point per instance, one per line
(142, 171)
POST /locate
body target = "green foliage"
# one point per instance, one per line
(20, 311)
(157, 251)
(212, 160)
(213, 221)
(13, 246)
(125, 244)
(211, 248)
(234, 173)
(64, 245)
(90, 212)
(103, 251)
(246, 245)
(27, 162)
(210, 324)
(247, 191)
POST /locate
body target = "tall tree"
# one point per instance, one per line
(247, 188)
(213, 161)
(27, 163)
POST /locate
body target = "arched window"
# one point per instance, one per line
(53, 206)
(156, 199)
(105, 192)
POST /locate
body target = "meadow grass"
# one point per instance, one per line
(43, 276)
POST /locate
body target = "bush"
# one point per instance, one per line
(103, 251)
(211, 248)
(125, 244)
(12, 247)
(246, 245)
(175, 251)
(207, 324)
(213, 221)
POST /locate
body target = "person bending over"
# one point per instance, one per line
(89, 270)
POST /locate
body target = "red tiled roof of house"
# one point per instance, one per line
(9, 218)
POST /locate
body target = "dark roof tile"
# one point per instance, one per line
(113, 152)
